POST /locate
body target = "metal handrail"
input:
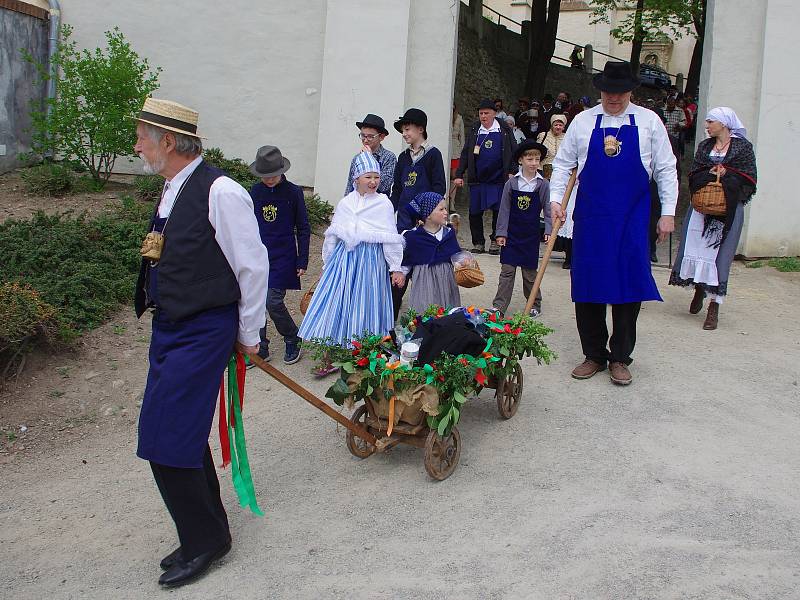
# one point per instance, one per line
(558, 39)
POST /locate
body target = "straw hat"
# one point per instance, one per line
(169, 115)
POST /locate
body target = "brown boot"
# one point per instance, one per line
(697, 302)
(586, 369)
(619, 373)
(712, 318)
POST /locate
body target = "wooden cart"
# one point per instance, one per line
(441, 453)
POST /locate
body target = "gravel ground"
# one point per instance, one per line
(682, 485)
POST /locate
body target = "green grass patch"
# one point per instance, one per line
(786, 264)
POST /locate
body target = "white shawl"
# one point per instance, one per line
(367, 219)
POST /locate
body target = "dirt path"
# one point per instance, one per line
(683, 485)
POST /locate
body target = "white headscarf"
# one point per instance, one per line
(727, 116)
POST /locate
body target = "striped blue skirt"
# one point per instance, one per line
(353, 296)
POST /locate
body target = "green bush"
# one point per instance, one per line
(148, 187)
(236, 168)
(319, 211)
(24, 320)
(48, 179)
(85, 267)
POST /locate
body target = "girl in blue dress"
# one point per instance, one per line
(361, 249)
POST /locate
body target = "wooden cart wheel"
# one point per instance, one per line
(355, 444)
(441, 454)
(509, 393)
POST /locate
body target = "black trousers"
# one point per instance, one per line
(592, 329)
(397, 296)
(193, 501)
(476, 228)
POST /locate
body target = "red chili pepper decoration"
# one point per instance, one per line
(362, 362)
(480, 377)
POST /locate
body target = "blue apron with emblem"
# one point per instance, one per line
(610, 247)
(414, 179)
(486, 190)
(522, 243)
(275, 213)
(187, 359)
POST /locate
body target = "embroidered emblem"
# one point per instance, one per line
(412, 179)
(270, 213)
(487, 144)
(524, 202)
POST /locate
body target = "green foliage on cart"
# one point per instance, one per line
(370, 365)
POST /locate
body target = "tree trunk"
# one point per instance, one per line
(638, 38)
(693, 77)
(544, 27)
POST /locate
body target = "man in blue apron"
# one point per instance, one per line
(487, 158)
(617, 148)
(204, 274)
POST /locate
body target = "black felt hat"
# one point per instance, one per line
(373, 121)
(414, 116)
(486, 103)
(530, 144)
(616, 78)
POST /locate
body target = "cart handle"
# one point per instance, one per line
(313, 400)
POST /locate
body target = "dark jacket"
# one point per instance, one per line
(467, 161)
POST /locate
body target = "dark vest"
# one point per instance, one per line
(193, 273)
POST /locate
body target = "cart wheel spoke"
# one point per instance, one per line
(509, 393)
(442, 454)
(357, 446)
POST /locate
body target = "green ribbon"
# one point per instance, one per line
(240, 464)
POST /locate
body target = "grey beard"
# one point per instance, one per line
(152, 168)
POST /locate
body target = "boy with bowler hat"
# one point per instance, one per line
(525, 196)
(372, 132)
(617, 147)
(420, 168)
(280, 210)
(487, 159)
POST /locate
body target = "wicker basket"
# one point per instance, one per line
(469, 277)
(710, 199)
(306, 299)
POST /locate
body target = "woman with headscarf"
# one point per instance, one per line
(552, 139)
(519, 135)
(709, 242)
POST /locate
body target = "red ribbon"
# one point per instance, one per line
(224, 440)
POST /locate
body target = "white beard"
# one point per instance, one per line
(153, 168)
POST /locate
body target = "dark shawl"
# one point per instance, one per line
(739, 182)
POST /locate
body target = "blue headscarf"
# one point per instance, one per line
(425, 203)
(365, 163)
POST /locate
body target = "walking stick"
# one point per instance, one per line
(550, 243)
(313, 400)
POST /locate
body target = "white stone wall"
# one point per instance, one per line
(294, 74)
(752, 72)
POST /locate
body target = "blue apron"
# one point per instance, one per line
(610, 246)
(275, 213)
(414, 179)
(522, 243)
(487, 189)
(187, 359)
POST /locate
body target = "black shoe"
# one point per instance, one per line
(566, 265)
(185, 571)
(170, 559)
(653, 258)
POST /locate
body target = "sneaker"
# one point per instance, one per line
(535, 312)
(478, 249)
(620, 374)
(292, 354)
(587, 369)
(263, 354)
(494, 249)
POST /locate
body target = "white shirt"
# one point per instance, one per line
(654, 147)
(527, 185)
(230, 212)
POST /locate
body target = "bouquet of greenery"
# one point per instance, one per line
(370, 365)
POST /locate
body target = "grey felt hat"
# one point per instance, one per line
(269, 162)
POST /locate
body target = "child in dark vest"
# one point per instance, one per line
(280, 209)
(427, 255)
(524, 198)
(420, 168)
